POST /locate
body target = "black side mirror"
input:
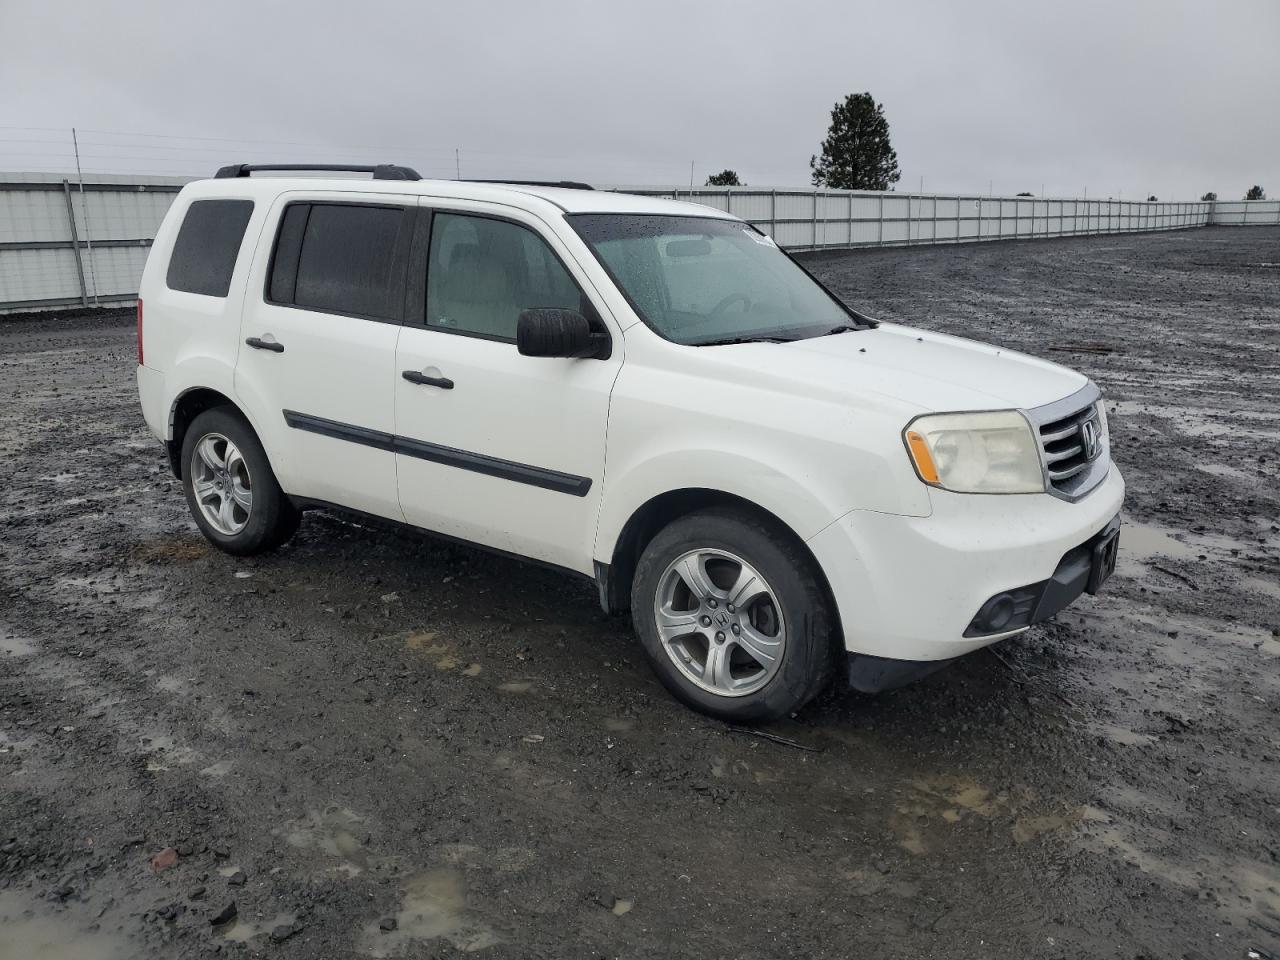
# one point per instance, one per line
(558, 332)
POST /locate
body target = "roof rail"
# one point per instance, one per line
(382, 171)
(566, 184)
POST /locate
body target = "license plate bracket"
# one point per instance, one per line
(1103, 565)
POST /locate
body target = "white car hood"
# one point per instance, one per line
(931, 371)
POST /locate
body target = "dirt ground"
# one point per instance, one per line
(375, 745)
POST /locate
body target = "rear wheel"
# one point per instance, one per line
(231, 490)
(732, 616)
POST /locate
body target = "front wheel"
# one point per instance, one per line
(231, 490)
(732, 616)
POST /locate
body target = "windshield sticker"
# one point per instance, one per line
(761, 238)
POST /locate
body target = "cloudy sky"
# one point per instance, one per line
(1122, 98)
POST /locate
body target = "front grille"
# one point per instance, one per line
(1063, 444)
(1070, 470)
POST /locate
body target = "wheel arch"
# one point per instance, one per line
(614, 579)
(188, 405)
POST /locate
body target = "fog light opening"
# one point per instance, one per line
(1006, 611)
(997, 612)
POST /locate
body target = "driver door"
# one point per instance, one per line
(492, 446)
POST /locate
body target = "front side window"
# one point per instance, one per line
(482, 273)
(204, 255)
(699, 281)
(338, 258)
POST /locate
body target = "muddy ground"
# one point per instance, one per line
(377, 745)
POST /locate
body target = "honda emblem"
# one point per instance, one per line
(1090, 439)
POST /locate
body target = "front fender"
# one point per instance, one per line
(722, 471)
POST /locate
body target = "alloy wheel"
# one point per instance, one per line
(720, 622)
(221, 482)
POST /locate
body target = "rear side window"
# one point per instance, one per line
(340, 258)
(204, 255)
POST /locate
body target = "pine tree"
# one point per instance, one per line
(856, 155)
(725, 178)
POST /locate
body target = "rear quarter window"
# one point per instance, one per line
(204, 255)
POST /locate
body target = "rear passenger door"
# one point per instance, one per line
(492, 446)
(317, 360)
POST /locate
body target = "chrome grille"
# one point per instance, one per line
(1064, 429)
(1063, 444)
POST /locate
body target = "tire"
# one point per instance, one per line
(251, 514)
(728, 548)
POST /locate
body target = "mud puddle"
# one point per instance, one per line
(433, 907)
(32, 931)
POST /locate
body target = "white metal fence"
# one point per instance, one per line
(61, 247)
(1245, 213)
(64, 247)
(823, 219)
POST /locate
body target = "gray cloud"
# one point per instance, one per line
(1173, 98)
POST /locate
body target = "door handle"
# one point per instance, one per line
(259, 344)
(414, 376)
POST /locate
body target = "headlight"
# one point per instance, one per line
(992, 452)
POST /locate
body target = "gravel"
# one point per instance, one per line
(485, 764)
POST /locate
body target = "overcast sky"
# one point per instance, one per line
(1122, 98)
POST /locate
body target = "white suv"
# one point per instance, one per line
(647, 393)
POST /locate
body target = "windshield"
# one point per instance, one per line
(699, 281)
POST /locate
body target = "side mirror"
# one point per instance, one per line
(558, 332)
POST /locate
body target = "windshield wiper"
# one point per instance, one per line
(843, 328)
(752, 339)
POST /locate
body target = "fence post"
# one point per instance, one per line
(815, 219)
(75, 242)
(773, 214)
(880, 228)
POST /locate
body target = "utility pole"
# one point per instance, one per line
(84, 210)
(691, 162)
(457, 164)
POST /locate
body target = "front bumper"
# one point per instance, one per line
(908, 588)
(1076, 573)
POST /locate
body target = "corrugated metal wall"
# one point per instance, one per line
(1248, 213)
(60, 247)
(820, 219)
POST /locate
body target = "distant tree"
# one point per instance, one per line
(1210, 196)
(1025, 193)
(1256, 193)
(725, 178)
(856, 155)
(1152, 198)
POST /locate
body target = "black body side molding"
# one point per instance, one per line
(450, 456)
